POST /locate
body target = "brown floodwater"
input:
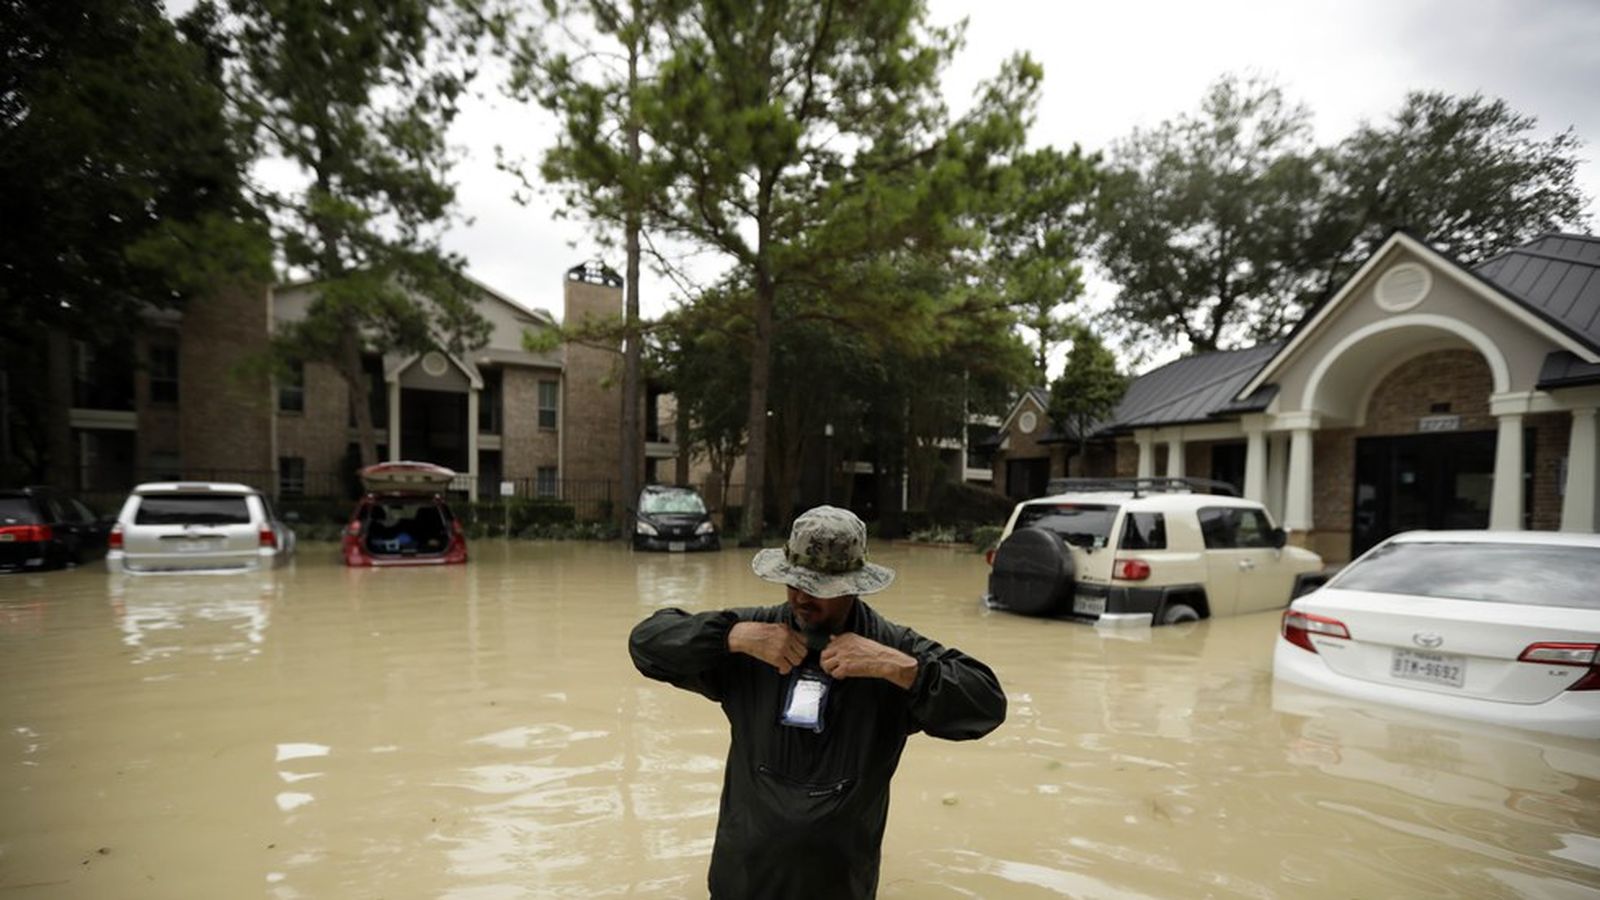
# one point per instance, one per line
(478, 732)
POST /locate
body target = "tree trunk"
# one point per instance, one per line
(752, 519)
(632, 457)
(355, 378)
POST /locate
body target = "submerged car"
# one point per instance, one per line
(673, 519)
(1160, 550)
(44, 528)
(1501, 627)
(197, 526)
(403, 519)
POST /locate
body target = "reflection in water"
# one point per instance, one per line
(478, 732)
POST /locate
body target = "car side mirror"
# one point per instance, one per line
(1280, 536)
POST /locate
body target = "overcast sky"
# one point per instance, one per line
(1111, 67)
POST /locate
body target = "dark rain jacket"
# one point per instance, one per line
(803, 813)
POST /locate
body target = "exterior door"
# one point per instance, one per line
(1432, 481)
(1027, 478)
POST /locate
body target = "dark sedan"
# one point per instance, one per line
(44, 528)
(673, 519)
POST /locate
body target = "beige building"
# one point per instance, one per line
(1423, 394)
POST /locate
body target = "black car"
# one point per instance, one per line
(44, 528)
(673, 519)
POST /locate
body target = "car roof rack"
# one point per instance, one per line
(1140, 486)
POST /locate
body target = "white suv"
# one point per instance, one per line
(191, 526)
(1134, 546)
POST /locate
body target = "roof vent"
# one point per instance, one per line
(433, 363)
(1403, 287)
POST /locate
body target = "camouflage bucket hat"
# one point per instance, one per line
(826, 556)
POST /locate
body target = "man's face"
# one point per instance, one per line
(828, 613)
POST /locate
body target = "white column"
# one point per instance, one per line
(1277, 473)
(1505, 505)
(1581, 494)
(1255, 465)
(394, 420)
(1147, 453)
(1297, 503)
(1175, 457)
(472, 443)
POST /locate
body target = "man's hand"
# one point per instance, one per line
(775, 644)
(850, 655)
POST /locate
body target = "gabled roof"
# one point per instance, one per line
(1559, 330)
(1556, 275)
(1038, 395)
(1194, 389)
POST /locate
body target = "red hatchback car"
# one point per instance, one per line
(403, 520)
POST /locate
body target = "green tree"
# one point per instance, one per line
(1088, 389)
(358, 96)
(798, 135)
(598, 159)
(1204, 219)
(1036, 238)
(120, 190)
(1468, 174)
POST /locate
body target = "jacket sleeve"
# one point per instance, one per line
(686, 650)
(954, 696)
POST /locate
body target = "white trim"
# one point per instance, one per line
(1394, 305)
(1471, 282)
(1382, 374)
(473, 378)
(1491, 353)
(1027, 396)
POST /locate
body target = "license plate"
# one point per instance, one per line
(1447, 669)
(7, 538)
(194, 546)
(1088, 606)
(677, 546)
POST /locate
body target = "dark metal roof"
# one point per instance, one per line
(1557, 276)
(1194, 389)
(1563, 369)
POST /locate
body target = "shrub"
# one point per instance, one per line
(985, 537)
(958, 502)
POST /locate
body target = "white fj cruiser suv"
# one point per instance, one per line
(1099, 547)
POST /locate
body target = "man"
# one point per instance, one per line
(820, 693)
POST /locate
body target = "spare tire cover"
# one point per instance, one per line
(1032, 573)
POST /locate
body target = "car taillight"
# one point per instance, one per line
(354, 528)
(1131, 569)
(37, 534)
(1568, 655)
(988, 556)
(114, 539)
(1298, 627)
(455, 527)
(269, 538)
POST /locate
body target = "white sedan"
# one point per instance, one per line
(1501, 627)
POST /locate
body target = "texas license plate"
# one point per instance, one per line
(193, 546)
(1447, 669)
(1088, 606)
(677, 546)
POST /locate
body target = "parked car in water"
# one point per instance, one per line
(673, 519)
(403, 519)
(46, 528)
(181, 526)
(1501, 627)
(1157, 547)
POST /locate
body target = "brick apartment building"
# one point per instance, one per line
(191, 398)
(1423, 394)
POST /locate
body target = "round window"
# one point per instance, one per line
(1027, 422)
(1403, 287)
(433, 362)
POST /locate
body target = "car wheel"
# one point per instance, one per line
(1179, 612)
(1032, 573)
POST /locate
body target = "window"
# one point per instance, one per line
(165, 465)
(164, 374)
(291, 476)
(192, 509)
(548, 394)
(1083, 524)
(1144, 531)
(292, 389)
(545, 483)
(489, 401)
(1226, 528)
(1551, 575)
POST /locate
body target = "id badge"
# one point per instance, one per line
(807, 697)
